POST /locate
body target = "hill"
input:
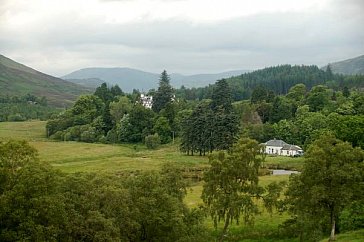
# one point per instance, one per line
(278, 79)
(352, 66)
(129, 79)
(17, 80)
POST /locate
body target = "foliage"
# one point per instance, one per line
(162, 128)
(14, 108)
(326, 186)
(39, 203)
(164, 94)
(152, 141)
(212, 125)
(231, 184)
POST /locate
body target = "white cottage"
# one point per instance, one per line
(279, 147)
(146, 101)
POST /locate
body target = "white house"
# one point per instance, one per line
(279, 147)
(146, 101)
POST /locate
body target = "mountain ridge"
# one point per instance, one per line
(352, 66)
(18, 79)
(129, 78)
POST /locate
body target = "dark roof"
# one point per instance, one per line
(291, 147)
(276, 143)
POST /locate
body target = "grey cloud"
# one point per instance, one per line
(181, 46)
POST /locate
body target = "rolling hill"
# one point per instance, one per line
(129, 79)
(17, 80)
(352, 66)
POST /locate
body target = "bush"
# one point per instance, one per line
(352, 218)
(152, 141)
(16, 118)
(112, 136)
(88, 134)
(59, 135)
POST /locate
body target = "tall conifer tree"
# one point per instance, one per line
(164, 94)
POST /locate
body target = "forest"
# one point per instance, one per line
(228, 122)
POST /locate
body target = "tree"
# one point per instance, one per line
(318, 98)
(86, 109)
(164, 94)
(328, 183)
(297, 93)
(259, 94)
(152, 141)
(119, 108)
(136, 125)
(163, 129)
(221, 96)
(225, 122)
(161, 214)
(116, 91)
(104, 93)
(231, 183)
(282, 108)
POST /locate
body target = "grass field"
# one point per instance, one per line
(79, 157)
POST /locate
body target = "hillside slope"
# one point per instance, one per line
(17, 79)
(129, 79)
(352, 66)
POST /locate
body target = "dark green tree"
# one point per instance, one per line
(328, 183)
(164, 94)
(221, 96)
(116, 91)
(162, 128)
(104, 93)
(259, 94)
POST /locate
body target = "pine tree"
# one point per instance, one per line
(221, 96)
(164, 94)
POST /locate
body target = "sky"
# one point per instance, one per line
(180, 36)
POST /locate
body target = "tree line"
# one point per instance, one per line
(278, 79)
(26, 107)
(111, 116)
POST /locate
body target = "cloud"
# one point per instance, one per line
(66, 40)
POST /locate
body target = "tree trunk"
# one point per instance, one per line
(227, 221)
(332, 235)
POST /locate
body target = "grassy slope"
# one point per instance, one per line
(17, 79)
(349, 67)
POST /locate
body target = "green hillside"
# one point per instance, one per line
(17, 80)
(352, 66)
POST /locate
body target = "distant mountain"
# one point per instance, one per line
(88, 82)
(348, 67)
(17, 79)
(129, 79)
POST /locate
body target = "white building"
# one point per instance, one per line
(279, 147)
(146, 101)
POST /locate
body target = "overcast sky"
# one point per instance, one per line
(183, 36)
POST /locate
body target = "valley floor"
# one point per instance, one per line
(115, 159)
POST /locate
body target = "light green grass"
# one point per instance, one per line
(352, 236)
(87, 157)
(284, 162)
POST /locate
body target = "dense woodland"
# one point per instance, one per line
(302, 105)
(21, 108)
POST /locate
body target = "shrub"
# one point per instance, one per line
(152, 141)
